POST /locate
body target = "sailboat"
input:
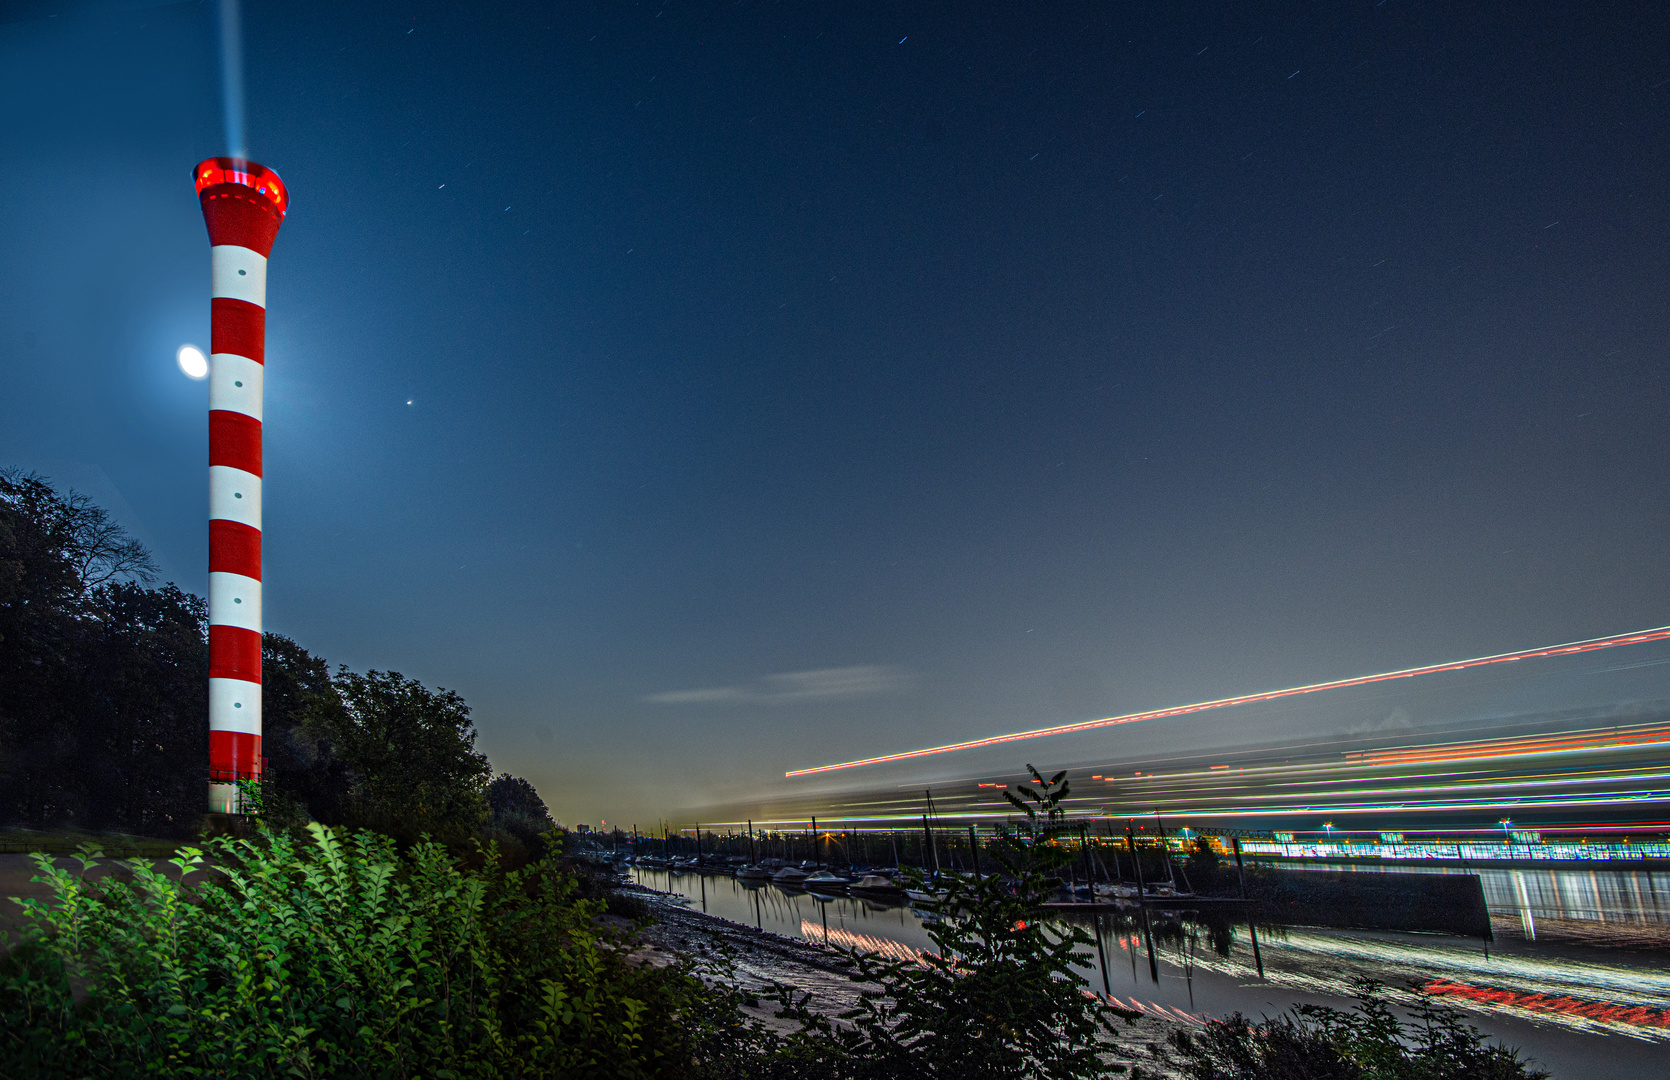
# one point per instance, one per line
(753, 871)
(878, 884)
(931, 893)
(790, 875)
(827, 879)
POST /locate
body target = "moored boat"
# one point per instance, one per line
(877, 883)
(824, 879)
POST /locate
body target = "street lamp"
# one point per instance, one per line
(1506, 833)
(1330, 827)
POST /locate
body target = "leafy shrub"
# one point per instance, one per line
(997, 997)
(336, 956)
(1314, 1042)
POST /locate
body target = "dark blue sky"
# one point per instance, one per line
(792, 382)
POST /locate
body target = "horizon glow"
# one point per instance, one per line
(1573, 648)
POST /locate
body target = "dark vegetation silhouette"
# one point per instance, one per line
(1369, 1042)
(516, 807)
(104, 704)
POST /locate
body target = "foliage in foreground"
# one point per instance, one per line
(998, 996)
(1314, 1042)
(338, 957)
(330, 955)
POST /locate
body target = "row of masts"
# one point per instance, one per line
(1101, 854)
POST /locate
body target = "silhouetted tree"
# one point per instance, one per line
(306, 779)
(517, 808)
(103, 682)
(76, 531)
(104, 702)
(410, 755)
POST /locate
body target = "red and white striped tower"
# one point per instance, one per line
(243, 205)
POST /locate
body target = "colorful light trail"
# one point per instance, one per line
(1603, 1012)
(1573, 648)
(1640, 737)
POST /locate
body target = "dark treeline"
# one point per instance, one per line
(104, 704)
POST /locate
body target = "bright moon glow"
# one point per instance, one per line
(193, 362)
(1573, 648)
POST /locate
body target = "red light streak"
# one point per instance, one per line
(1569, 649)
(1638, 1016)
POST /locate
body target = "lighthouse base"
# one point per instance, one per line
(225, 799)
(236, 826)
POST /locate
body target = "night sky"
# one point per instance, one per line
(710, 390)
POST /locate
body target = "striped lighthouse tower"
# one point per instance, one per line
(243, 206)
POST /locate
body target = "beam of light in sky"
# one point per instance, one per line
(232, 77)
(1573, 648)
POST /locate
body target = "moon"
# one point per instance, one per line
(193, 362)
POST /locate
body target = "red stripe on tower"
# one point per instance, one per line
(234, 653)
(234, 548)
(243, 206)
(238, 327)
(234, 439)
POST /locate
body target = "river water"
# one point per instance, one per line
(1578, 976)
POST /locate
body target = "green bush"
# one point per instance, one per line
(998, 996)
(1314, 1042)
(337, 956)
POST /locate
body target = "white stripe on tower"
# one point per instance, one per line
(235, 384)
(234, 495)
(237, 273)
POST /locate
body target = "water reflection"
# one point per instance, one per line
(1599, 907)
(1629, 897)
(790, 912)
(1601, 1013)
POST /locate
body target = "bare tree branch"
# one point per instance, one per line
(97, 548)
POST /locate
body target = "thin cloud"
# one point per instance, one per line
(711, 695)
(824, 684)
